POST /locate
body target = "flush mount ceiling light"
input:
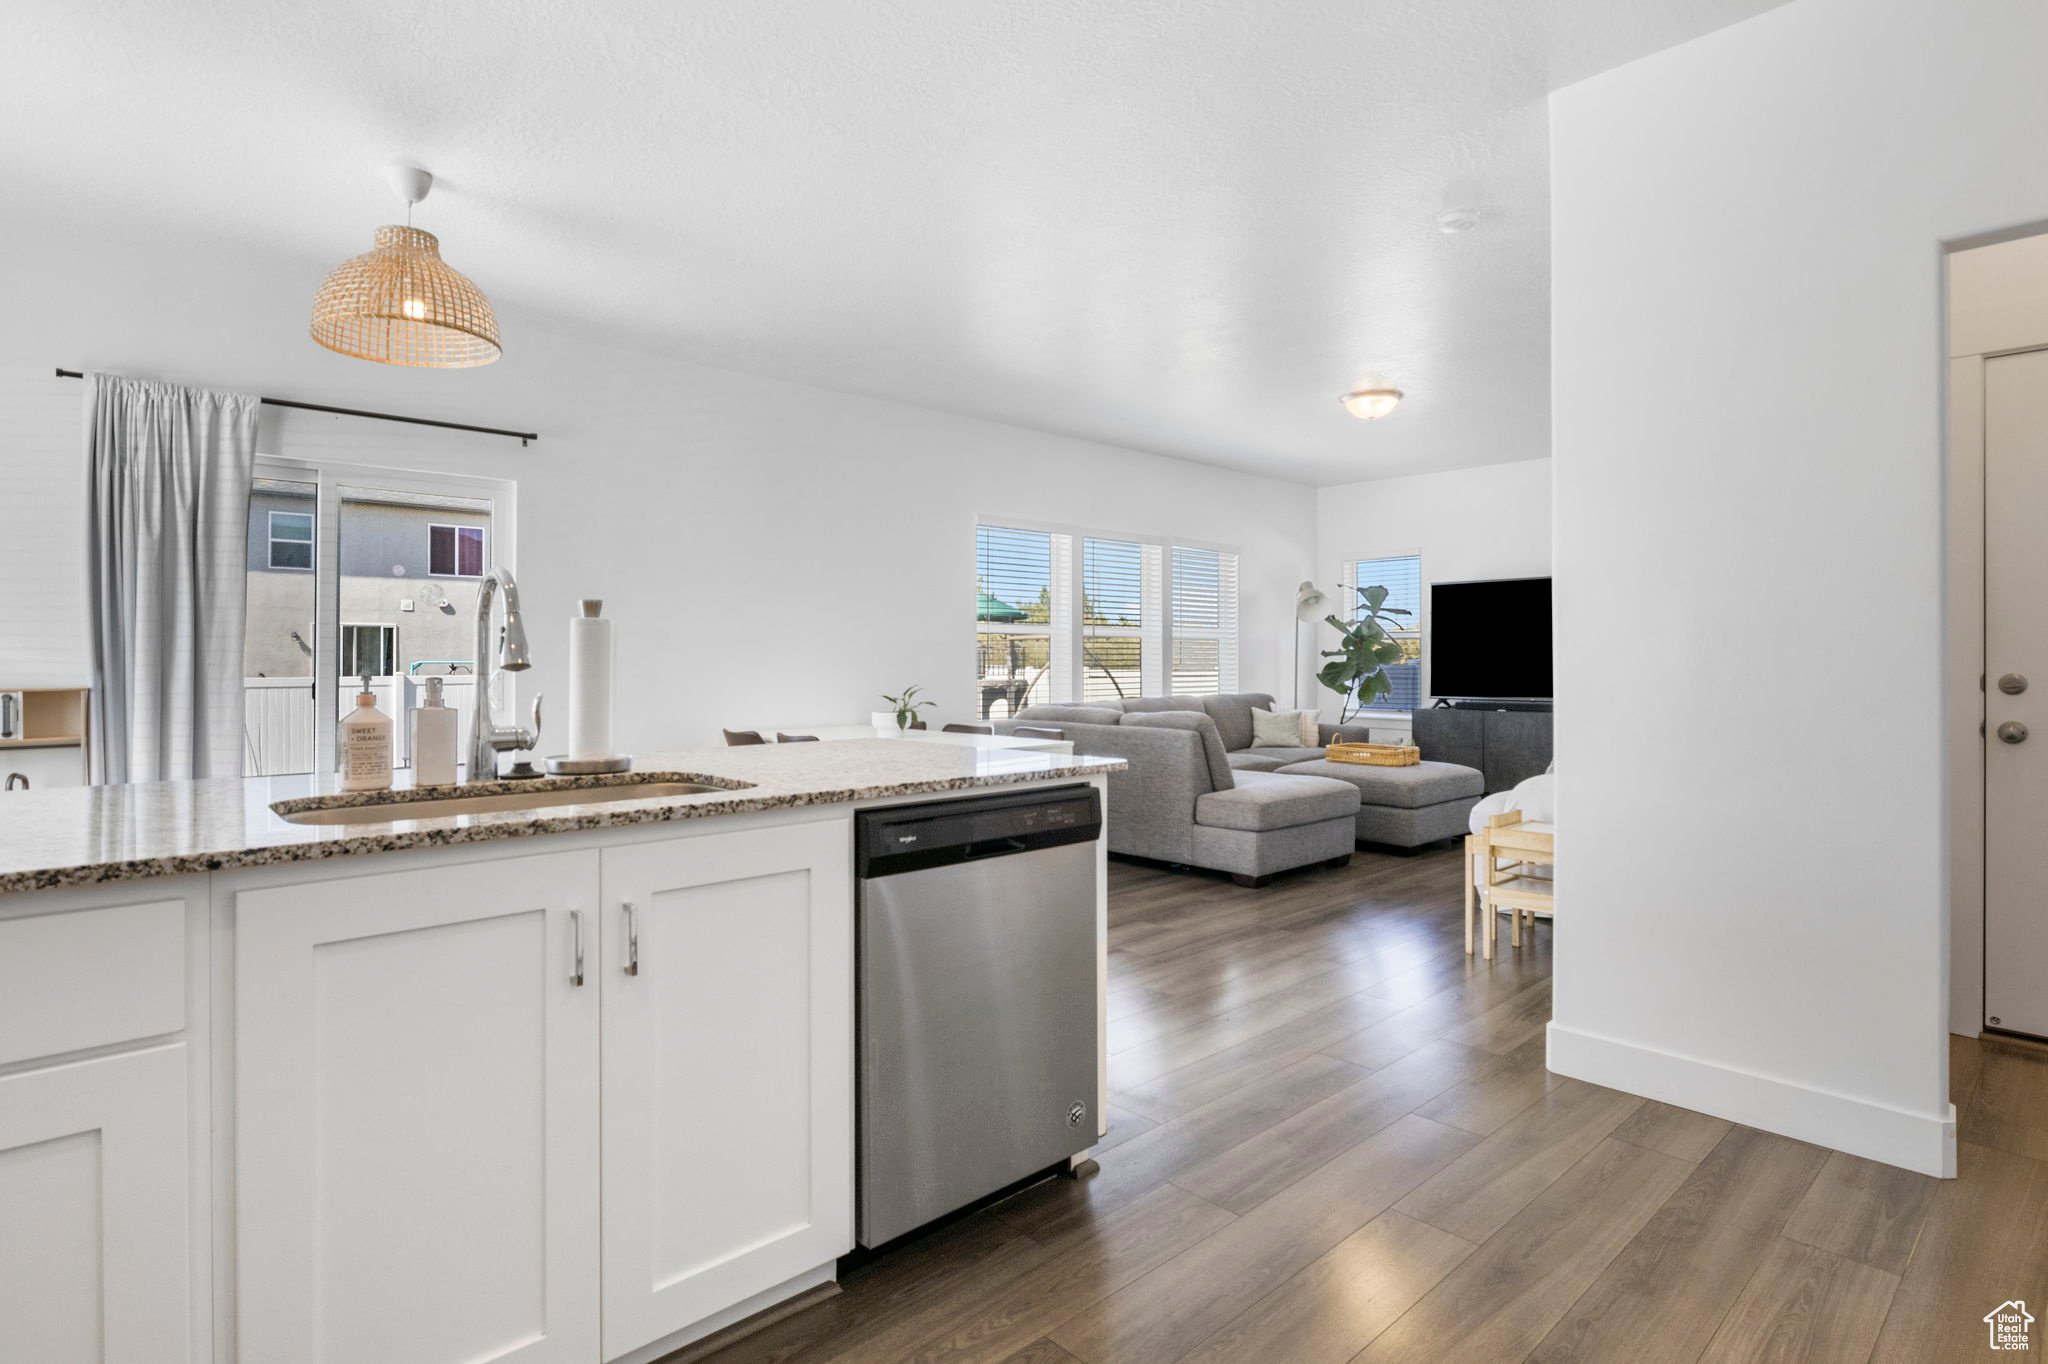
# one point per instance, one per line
(1368, 403)
(401, 304)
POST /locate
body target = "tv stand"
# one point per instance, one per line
(1543, 706)
(1505, 744)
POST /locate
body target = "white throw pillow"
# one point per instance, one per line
(1281, 728)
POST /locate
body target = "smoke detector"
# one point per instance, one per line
(1455, 220)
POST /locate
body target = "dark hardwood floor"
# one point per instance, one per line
(1333, 1139)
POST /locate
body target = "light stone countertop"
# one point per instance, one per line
(75, 836)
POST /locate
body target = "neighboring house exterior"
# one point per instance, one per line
(409, 571)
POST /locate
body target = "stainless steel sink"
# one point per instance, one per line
(443, 807)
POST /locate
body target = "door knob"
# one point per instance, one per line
(2012, 684)
(2013, 732)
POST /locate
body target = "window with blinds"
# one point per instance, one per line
(1119, 619)
(1203, 591)
(1062, 617)
(1401, 575)
(1020, 586)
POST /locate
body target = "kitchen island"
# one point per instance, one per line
(565, 1084)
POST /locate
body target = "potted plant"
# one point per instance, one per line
(903, 712)
(1358, 667)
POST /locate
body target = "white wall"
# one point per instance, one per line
(1488, 522)
(772, 552)
(1748, 429)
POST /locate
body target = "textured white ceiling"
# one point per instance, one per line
(1180, 225)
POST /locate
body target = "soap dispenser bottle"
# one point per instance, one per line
(364, 760)
(433, 739)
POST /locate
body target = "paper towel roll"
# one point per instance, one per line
(590, 684)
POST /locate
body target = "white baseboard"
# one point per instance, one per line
(1893, 1136)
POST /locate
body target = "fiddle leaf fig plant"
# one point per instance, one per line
(1365, 648)
(906, 707)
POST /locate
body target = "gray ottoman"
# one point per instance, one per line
(1405, 807)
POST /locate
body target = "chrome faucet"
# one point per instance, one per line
(485, 737)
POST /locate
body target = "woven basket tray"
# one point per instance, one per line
(1374, 755)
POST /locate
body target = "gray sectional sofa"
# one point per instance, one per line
(1200, 793)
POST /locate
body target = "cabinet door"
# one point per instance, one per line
(728, 1070)
(416, 1116)
(95, 1249)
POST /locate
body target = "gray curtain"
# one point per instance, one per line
(167, 509)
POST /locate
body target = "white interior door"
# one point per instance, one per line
(728, 1071)
(416, 1116)
(2016, 692)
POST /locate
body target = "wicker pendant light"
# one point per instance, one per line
(401, 304)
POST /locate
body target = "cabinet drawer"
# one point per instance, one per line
(90, 977)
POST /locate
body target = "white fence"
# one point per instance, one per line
(278, 733)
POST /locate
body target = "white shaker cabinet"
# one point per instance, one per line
(416, 1149)
(420, 1090)
(95, 1242)
(728, 1070)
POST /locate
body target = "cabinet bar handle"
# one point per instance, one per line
(576, 918)
(632, 940)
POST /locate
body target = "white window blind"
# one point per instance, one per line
(1021, 656)
(1204, 620)
(1401, 575)
(1060, 617)
(1119, 618)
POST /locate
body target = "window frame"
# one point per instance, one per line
(483, 549)
(391, 633)
(311, 542)
(1070, 631)
(1229, 595)
(1419, 632)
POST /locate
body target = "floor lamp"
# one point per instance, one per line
(1309, 602)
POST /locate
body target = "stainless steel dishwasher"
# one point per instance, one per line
(977, 1023)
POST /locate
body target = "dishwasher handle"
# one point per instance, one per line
(994, 847)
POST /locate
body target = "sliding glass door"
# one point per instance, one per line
(277, 648)
(353, 572)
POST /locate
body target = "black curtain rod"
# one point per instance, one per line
(522, 436)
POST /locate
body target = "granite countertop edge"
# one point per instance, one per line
(454, 831)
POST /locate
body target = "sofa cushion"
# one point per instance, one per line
(1149, 705)
(1232, 712)
(1261, 759)
(1287, 756)
(1408, 788)
(1212, 747)
(1282, 728)
(1073, 715)
(1275, 800)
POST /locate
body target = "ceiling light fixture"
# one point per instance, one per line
(1455, 220)
(401, 304)
(1369, 403)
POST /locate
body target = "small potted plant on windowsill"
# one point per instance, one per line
(902, 716)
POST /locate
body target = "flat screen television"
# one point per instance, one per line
(1490, 640)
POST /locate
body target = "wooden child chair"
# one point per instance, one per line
(1522, 846)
